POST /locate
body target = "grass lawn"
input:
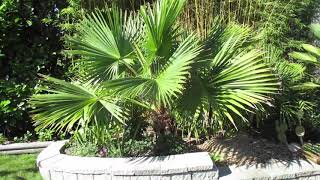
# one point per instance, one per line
(19, 167)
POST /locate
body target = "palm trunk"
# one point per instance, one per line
(164, 126)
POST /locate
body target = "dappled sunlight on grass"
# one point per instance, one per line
(19, 167)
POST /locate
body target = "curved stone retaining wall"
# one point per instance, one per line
(192, 166)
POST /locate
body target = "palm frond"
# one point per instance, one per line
(170, 81)
(287, 71)
(159, 21)
(165, 85)
(234, 80)
(244, 83)
(103, 44)
(70, 105)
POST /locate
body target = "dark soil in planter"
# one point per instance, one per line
(245, 150)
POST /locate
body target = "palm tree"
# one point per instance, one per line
(146, 59)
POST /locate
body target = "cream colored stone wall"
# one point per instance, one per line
(192, 166)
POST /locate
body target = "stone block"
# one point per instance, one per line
(45, 173)
(141, 178)
(102, 177)
(175, 164)
(70, 176)
(181, 177)
(163, 177)
(56, 175)
(85, 177)
(117, 178)
(205, 175)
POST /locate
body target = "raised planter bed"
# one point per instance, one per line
(192, 166)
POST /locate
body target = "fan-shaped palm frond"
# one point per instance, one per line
(163, 86)
(234, 80)
(159, 22)
(104, 43)
(69, 105)
(244, 83)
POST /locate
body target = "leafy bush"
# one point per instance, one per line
(27, 137)
(30, 43)
(87, 149)
(3, 139)
(297, 104)
(45, 135)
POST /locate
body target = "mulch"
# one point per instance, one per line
(245, 150)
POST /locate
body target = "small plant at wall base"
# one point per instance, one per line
(143, 69)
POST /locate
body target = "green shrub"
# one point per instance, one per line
(27, 137)
(87, 149)
(3, 139)
(30, 43)
(45, 135)
(142, 60)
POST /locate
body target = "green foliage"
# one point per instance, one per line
(278, 20)
(155, 65)
(169, 144)
(88, 149)
(13, 106)
(296, 105)
(101, 142)
(27, 137)
(68, 103)
(3, 139)
(312, 148)
(281, 129)
(45, 135)
(134, 148)
(232, 81)
(216, 157)
(30, 43)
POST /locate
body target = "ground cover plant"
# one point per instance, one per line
(144, 72)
